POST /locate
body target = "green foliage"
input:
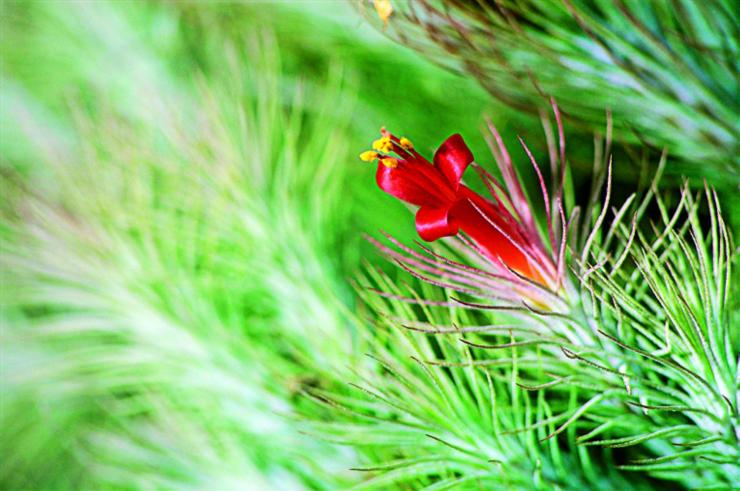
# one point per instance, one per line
(667, 325)
(435, 414)
(132, 304)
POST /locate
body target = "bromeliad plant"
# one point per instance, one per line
(545, 359)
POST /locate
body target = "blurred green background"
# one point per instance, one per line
(183, 207)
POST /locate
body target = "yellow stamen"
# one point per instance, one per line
(406, 143)
(389, 162)
(369, 156)
(384, 10)
(383, 144)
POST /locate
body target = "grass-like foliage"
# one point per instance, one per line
(666, 69)
(622, 373)
(162, 302)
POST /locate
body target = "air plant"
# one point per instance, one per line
(541, 357)
(154, 336)
(667, 70)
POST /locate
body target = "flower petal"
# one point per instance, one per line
(406, 183)
(498, 239)
(452, 158)
(434, 223)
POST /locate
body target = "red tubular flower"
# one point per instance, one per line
(447, 206)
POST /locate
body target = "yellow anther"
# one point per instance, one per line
(389, 162)
(384, 10)
(383, 144)
(406, 143)
(369, 156)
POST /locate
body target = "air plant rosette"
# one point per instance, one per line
(544, 356)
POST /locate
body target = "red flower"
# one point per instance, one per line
(446, 206)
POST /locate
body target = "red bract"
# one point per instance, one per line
(502, 228)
